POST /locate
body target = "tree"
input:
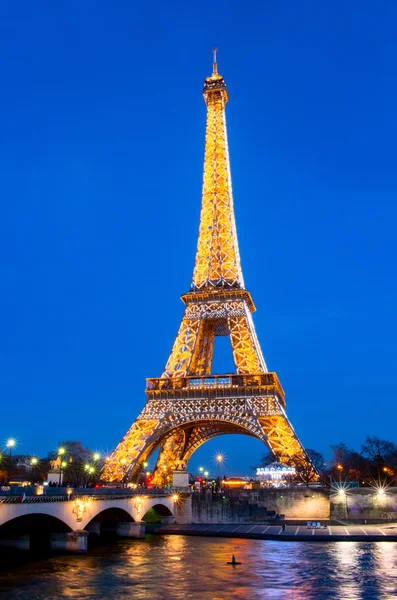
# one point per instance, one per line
(316, 458)
(307, 470)
(266, 459)
(75, 456)
(378, 450)
(348, 464)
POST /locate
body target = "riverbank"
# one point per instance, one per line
(291, 533)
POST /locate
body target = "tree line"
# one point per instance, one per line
(75, 459)
(376, 460)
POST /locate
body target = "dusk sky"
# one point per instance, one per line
(101, 156)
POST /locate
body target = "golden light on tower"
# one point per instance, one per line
(187, 405)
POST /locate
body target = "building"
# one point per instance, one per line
(275, 474)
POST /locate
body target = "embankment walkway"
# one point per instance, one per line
(292, 533)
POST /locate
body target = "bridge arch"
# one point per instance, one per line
(156, 514)
(32, 531)
(106, 521)
(32, 521)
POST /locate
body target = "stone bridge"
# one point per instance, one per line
(63, 522)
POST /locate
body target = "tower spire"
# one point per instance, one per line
(217, 262)
(214, 63)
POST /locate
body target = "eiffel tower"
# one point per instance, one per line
(187, 405)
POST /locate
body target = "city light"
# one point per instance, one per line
(175, 497)
(96, 456)
(341, 492)
(61, 452)
(123, 461)
(34, 461)
(11, 443)
(201, 469)
(206, 473)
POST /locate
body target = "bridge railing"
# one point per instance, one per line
(30, 494)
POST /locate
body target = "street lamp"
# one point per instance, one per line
(219, 458)
(96, 456)
(61, 452)
(10, 446)
(33, 462)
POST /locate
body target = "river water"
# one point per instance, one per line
(181, 567)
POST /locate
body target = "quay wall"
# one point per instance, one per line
(251, 506)
(364, 505)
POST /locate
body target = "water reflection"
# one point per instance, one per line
(188, 567)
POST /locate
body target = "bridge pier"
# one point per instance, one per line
(168, 520)
(94, 528)
(183, 509)
(129, 529)
(76, 541)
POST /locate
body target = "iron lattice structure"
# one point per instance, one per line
(187, 405)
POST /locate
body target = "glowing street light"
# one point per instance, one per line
(34, 461)
(10, 444)
(206, 473)
(61, 452)
(96, 456)
(219, 460)
(201, 469)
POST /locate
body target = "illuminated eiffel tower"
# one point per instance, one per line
(187, 405)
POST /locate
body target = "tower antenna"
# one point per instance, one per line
(214, 64)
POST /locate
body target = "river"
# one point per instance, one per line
(180, 567)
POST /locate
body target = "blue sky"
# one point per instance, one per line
(101, 154)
